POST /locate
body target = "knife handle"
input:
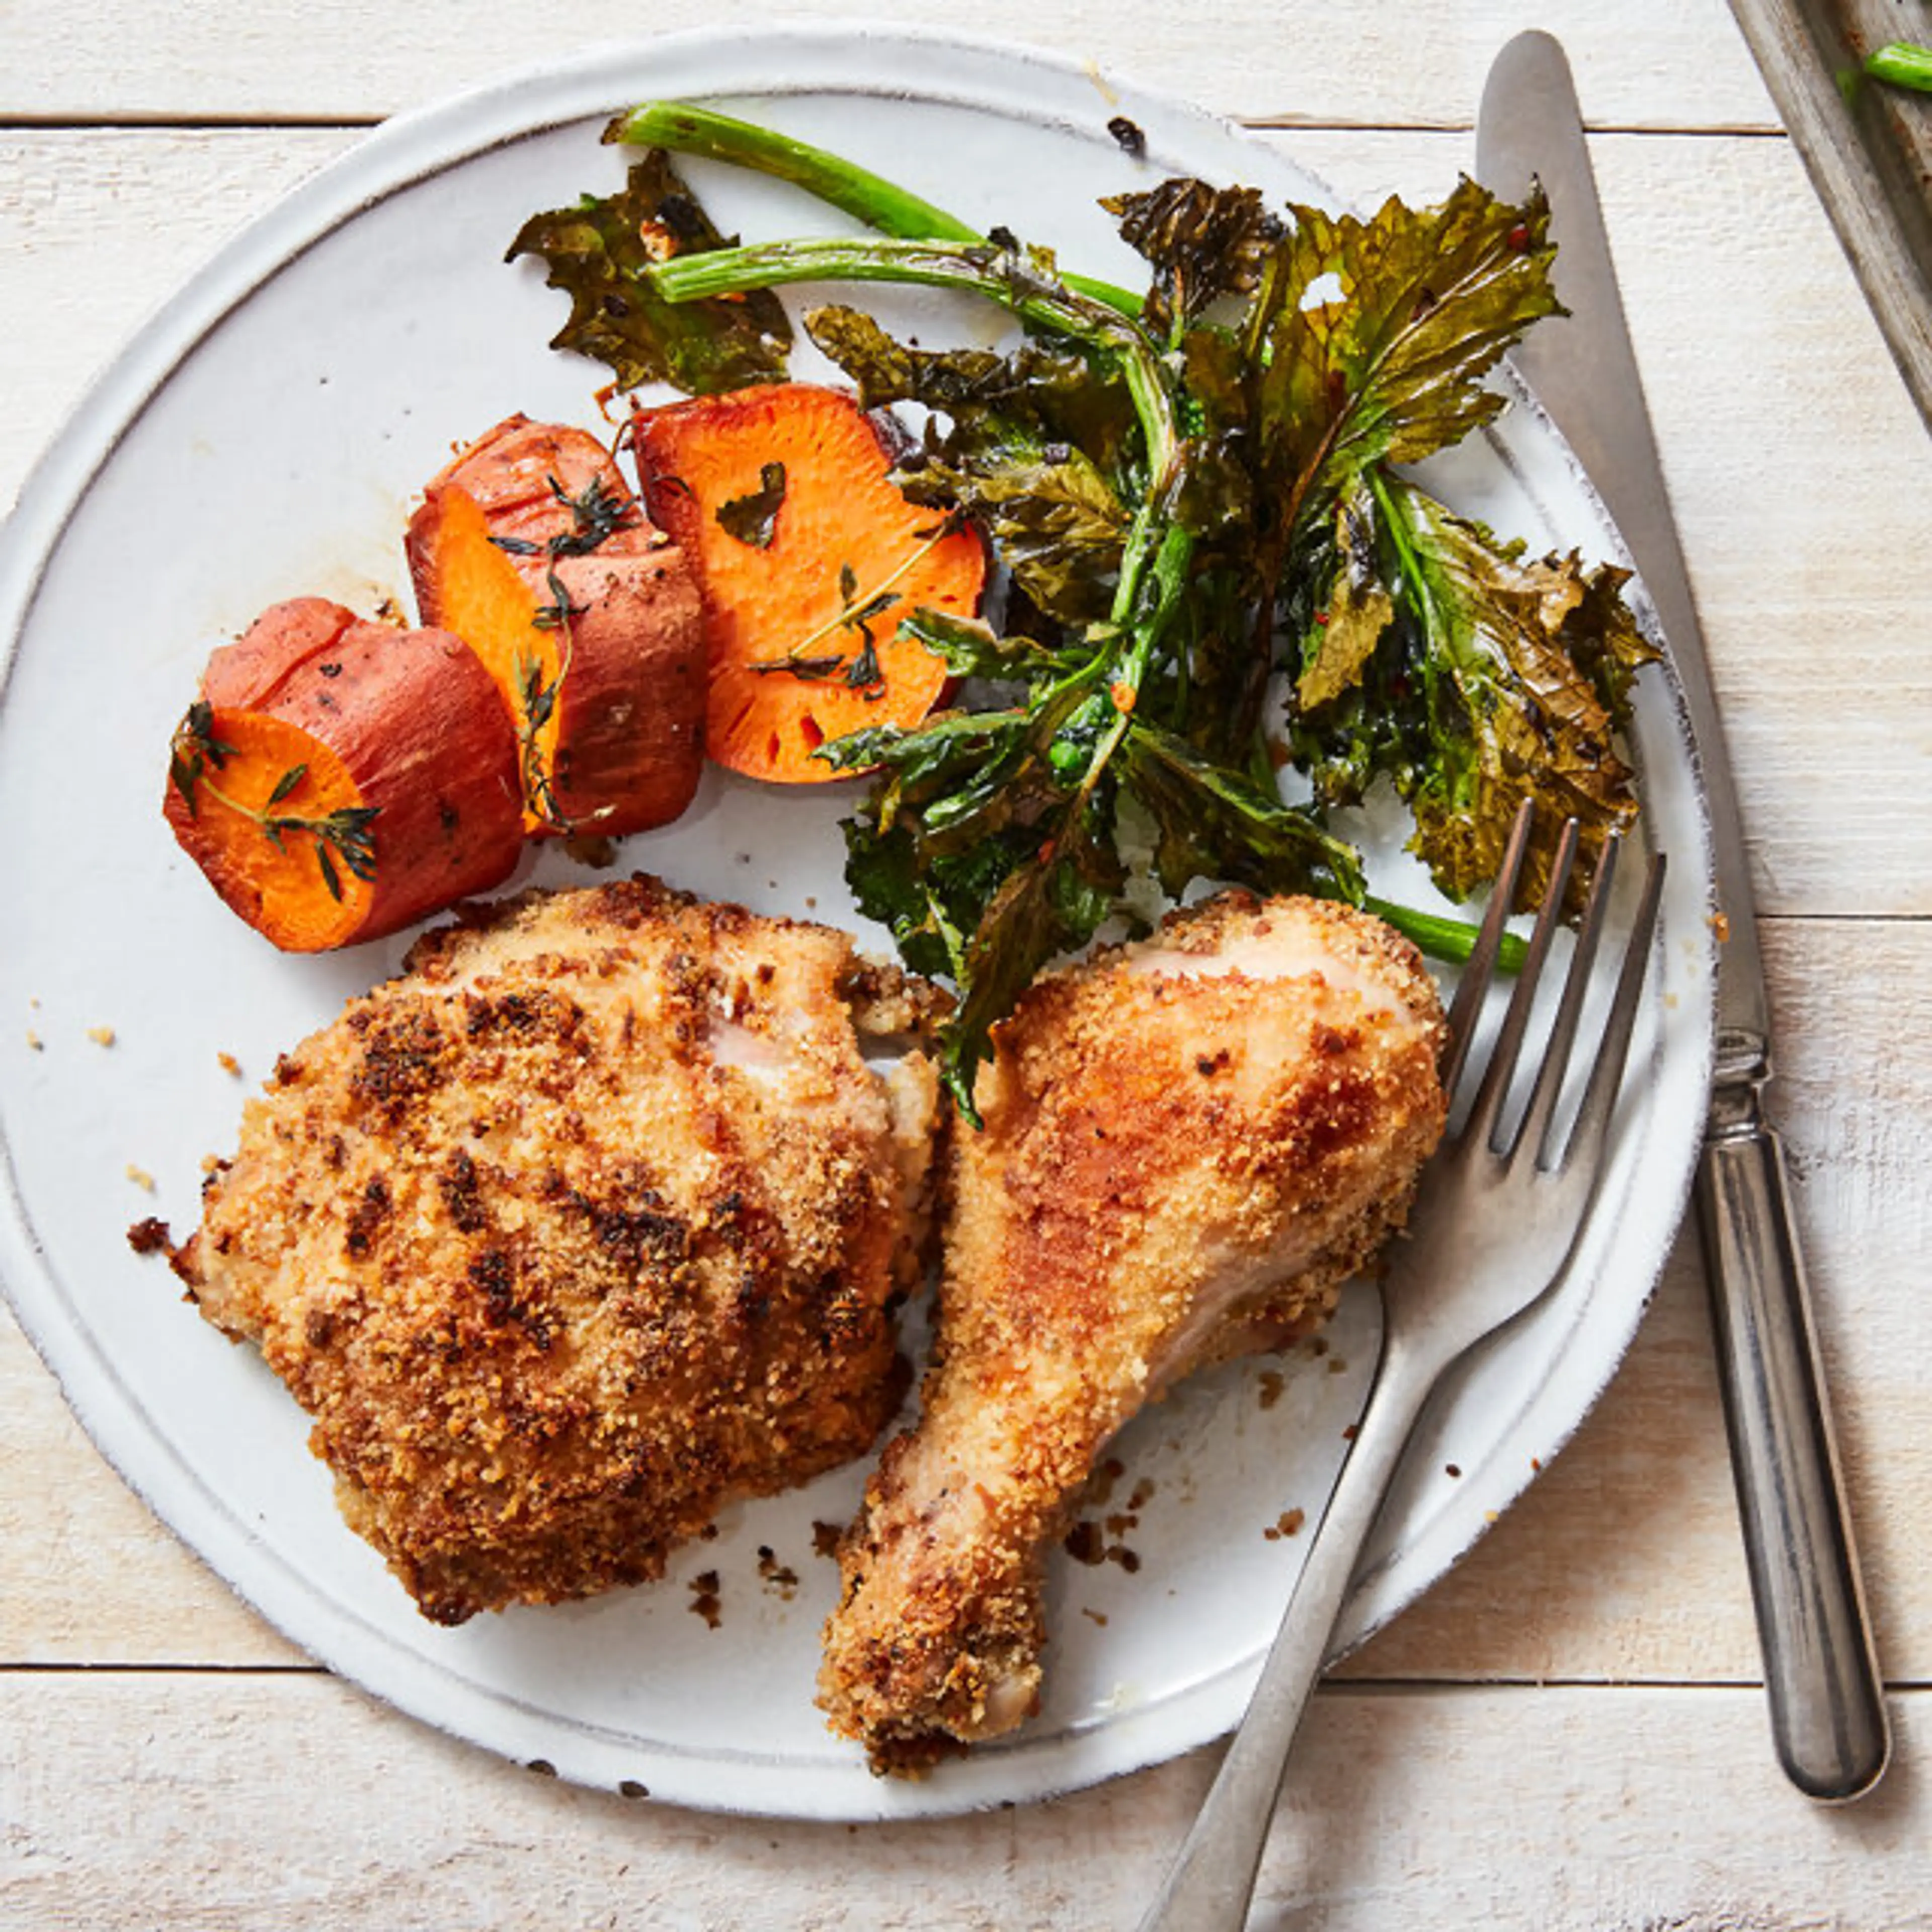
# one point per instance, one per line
(1828, 1715)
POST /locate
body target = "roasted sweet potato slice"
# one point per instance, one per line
(808, 556)
(531, 548)
(338, 779)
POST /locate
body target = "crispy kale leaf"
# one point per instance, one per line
(1203, 242)
(1189, 501)
(1497, 678)
(1213, 822)
(1052, 518)
(1371, 339)
(1155, 594)
(1358, 608)
(600, 252)
(985, 851)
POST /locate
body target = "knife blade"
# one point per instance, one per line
(1828, 1715)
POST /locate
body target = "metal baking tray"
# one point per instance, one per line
(1868, 149)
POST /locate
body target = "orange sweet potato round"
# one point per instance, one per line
(798, 592)
(530, 548)
(338, 779)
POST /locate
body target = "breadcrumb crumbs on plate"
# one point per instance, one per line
(101, 1036)
(141, 1178)
(1289, 1523)
(34, 1041)
(229, 1064)
(776, 1576)
(151, 1236)
(707, 1601)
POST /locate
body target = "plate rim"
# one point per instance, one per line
(413, 147)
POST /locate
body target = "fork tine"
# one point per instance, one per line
(1535, 1131)
(1480, 968)
(1593, 1119)
(1479, 1128)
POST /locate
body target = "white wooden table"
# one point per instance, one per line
(1569, 1732)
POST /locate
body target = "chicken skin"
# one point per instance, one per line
(593, 1218)
(1189, 1143)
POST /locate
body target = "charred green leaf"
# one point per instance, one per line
(1508, 679)
(1203, 242)
(753, 518)
(600, 253)
(1371, 339)
(1215, 823)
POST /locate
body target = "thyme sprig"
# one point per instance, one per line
(597, 514)
(343, 838)
(537, 701)
(857, 612)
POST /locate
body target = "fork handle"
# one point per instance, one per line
(1828, 1717)
(1213, 1878)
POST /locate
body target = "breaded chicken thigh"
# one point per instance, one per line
(1190, 1144)
(591, 1219)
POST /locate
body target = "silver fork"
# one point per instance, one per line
(1494, 1219)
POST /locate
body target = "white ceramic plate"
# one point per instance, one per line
(262, 438)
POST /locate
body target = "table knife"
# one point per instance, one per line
(1826, 1699)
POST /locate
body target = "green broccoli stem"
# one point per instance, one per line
(880, 204)
(1168, 563)
(1903, 64)
(939, 265)
(870, 198)
(1049, 305)
(1451, 940)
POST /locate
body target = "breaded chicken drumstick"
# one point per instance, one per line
(1190, 1144)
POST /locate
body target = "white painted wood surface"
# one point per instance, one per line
(1377, 63)
(1566, 1733)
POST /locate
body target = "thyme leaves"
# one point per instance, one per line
(342, 839)
(557, 614)
(858, 611)
(597, 513)
(537, 705)
(194, 748)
